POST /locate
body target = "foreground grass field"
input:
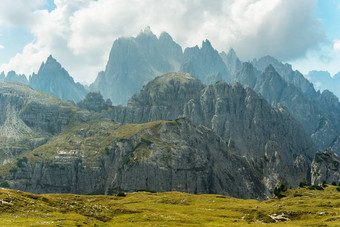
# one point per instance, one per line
(300, 207)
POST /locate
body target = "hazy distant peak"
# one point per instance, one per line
(270, 69)
(146, 33)
(165, 36)
(206, 44)
(232, 53)
(51, 63)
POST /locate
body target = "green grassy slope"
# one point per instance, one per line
(300, 207)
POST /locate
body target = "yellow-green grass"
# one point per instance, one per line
(302, 207)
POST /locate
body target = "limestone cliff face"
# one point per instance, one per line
(160, 156)
(276, 90)
(317, 112)
(325, 167)
(28, 118)
(271, 139)
(161, 99)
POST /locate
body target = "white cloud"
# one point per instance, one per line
(336, 45)
(27, 61)
(18, 12)
(80, 33)
(1, 47)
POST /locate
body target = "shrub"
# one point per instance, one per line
(277, 191)
(21, 161)
(145, 190)
(13, 170)
(333, 183)
(302, 184)
(4, 184)
(317, 187)
(324, 184)
(122, 194)
(338, 189)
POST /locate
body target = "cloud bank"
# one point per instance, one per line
(336, 45)
(80, 33)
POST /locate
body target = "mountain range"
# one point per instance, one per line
(218, 122)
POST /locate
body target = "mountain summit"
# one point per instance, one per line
(54, 79)
(135, 61)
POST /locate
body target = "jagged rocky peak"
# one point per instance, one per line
(232, 61)
(263, 62)
(247, 75)
(12, 76)
(52, 78)
(205, 63)
(286, 72)
(135, 61)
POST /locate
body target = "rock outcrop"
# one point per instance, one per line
(94, 101)
(160, 156)
(28, 118)
(270, 138)
(325, 168)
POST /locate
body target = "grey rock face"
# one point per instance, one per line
(325, 167)
(235, 113)
(287, 73)
(163, 156)
(275, 90)
(135, 61)
(247, 75)
(55, 80)
(232, 62)
(161, 99)
(205, 63)
(318, 114)
(28, 118)
(94, 101)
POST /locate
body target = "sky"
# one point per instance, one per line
(80, 33)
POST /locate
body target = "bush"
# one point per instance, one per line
(317, 187)
(277, 191)
(333, 183)
(4, 184)
(122, 194)
(13, 170)
(338, 189)
(21, 161)
(303, 184)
